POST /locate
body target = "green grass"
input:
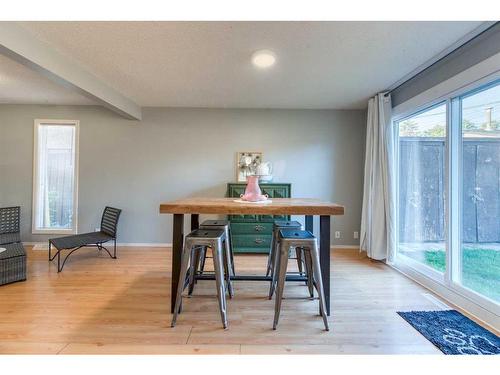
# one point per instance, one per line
(480, 268)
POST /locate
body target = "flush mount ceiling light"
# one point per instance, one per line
(263, 59)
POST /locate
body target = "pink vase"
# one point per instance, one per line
(252, 191)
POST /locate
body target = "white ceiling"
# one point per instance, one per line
(207, 64)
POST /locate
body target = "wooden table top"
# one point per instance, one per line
(278, 206)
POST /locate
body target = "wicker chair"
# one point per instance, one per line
(13, 260)
(109, 223)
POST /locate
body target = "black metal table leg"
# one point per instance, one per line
(177, 243)
(195, 221)
(310, 223)
(324, 257)
(195, 224)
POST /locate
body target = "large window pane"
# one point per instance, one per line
(421, 209)
(480, 250)
(55, 177)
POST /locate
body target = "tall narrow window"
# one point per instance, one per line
(422, 186)
(479, 259)
(55, 176)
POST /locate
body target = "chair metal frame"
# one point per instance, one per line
(308, 243)
(109, 226)
(300, 256)
(196, 240)
(199, 256)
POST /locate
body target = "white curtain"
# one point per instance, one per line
(378, 214)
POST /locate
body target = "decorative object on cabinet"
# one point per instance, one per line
(252, 191)
(253, 233)
(265, 172)
(247, 164)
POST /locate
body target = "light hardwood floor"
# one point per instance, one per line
(102, 306)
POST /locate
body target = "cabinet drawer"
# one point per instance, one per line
(247, 218)
(251, 241)
(235, 191)
(272, 218)
(250, 250)
(251, 228)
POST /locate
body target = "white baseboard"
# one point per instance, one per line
(45, 246)
(143, 244)
(351, 247)
(38, 246)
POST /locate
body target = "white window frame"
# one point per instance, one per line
(455, 275)
(37, 124)
(450, 91)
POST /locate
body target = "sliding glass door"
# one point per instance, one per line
(422, 185)
(448, 193)
(479, 252)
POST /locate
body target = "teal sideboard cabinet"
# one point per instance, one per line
(252, 233)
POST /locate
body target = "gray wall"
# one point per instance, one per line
(175, 153)
(471, 53)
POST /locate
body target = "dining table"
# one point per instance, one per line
(307, 207)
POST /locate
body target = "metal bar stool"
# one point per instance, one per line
(197, 239)
(198, 265)
(307, 242)
(271, 261)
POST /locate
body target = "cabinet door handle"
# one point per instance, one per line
(259, 228)
(259, 240)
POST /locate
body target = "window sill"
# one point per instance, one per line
(404, 261)
(53, 231)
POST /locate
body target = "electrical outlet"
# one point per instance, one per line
(97, 229)
(356, 235)
(337, 234)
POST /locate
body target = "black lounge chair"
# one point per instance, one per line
(109, 223)
(13, 259)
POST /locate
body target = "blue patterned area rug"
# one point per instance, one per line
(452, 332)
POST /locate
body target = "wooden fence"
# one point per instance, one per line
(422, 189)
